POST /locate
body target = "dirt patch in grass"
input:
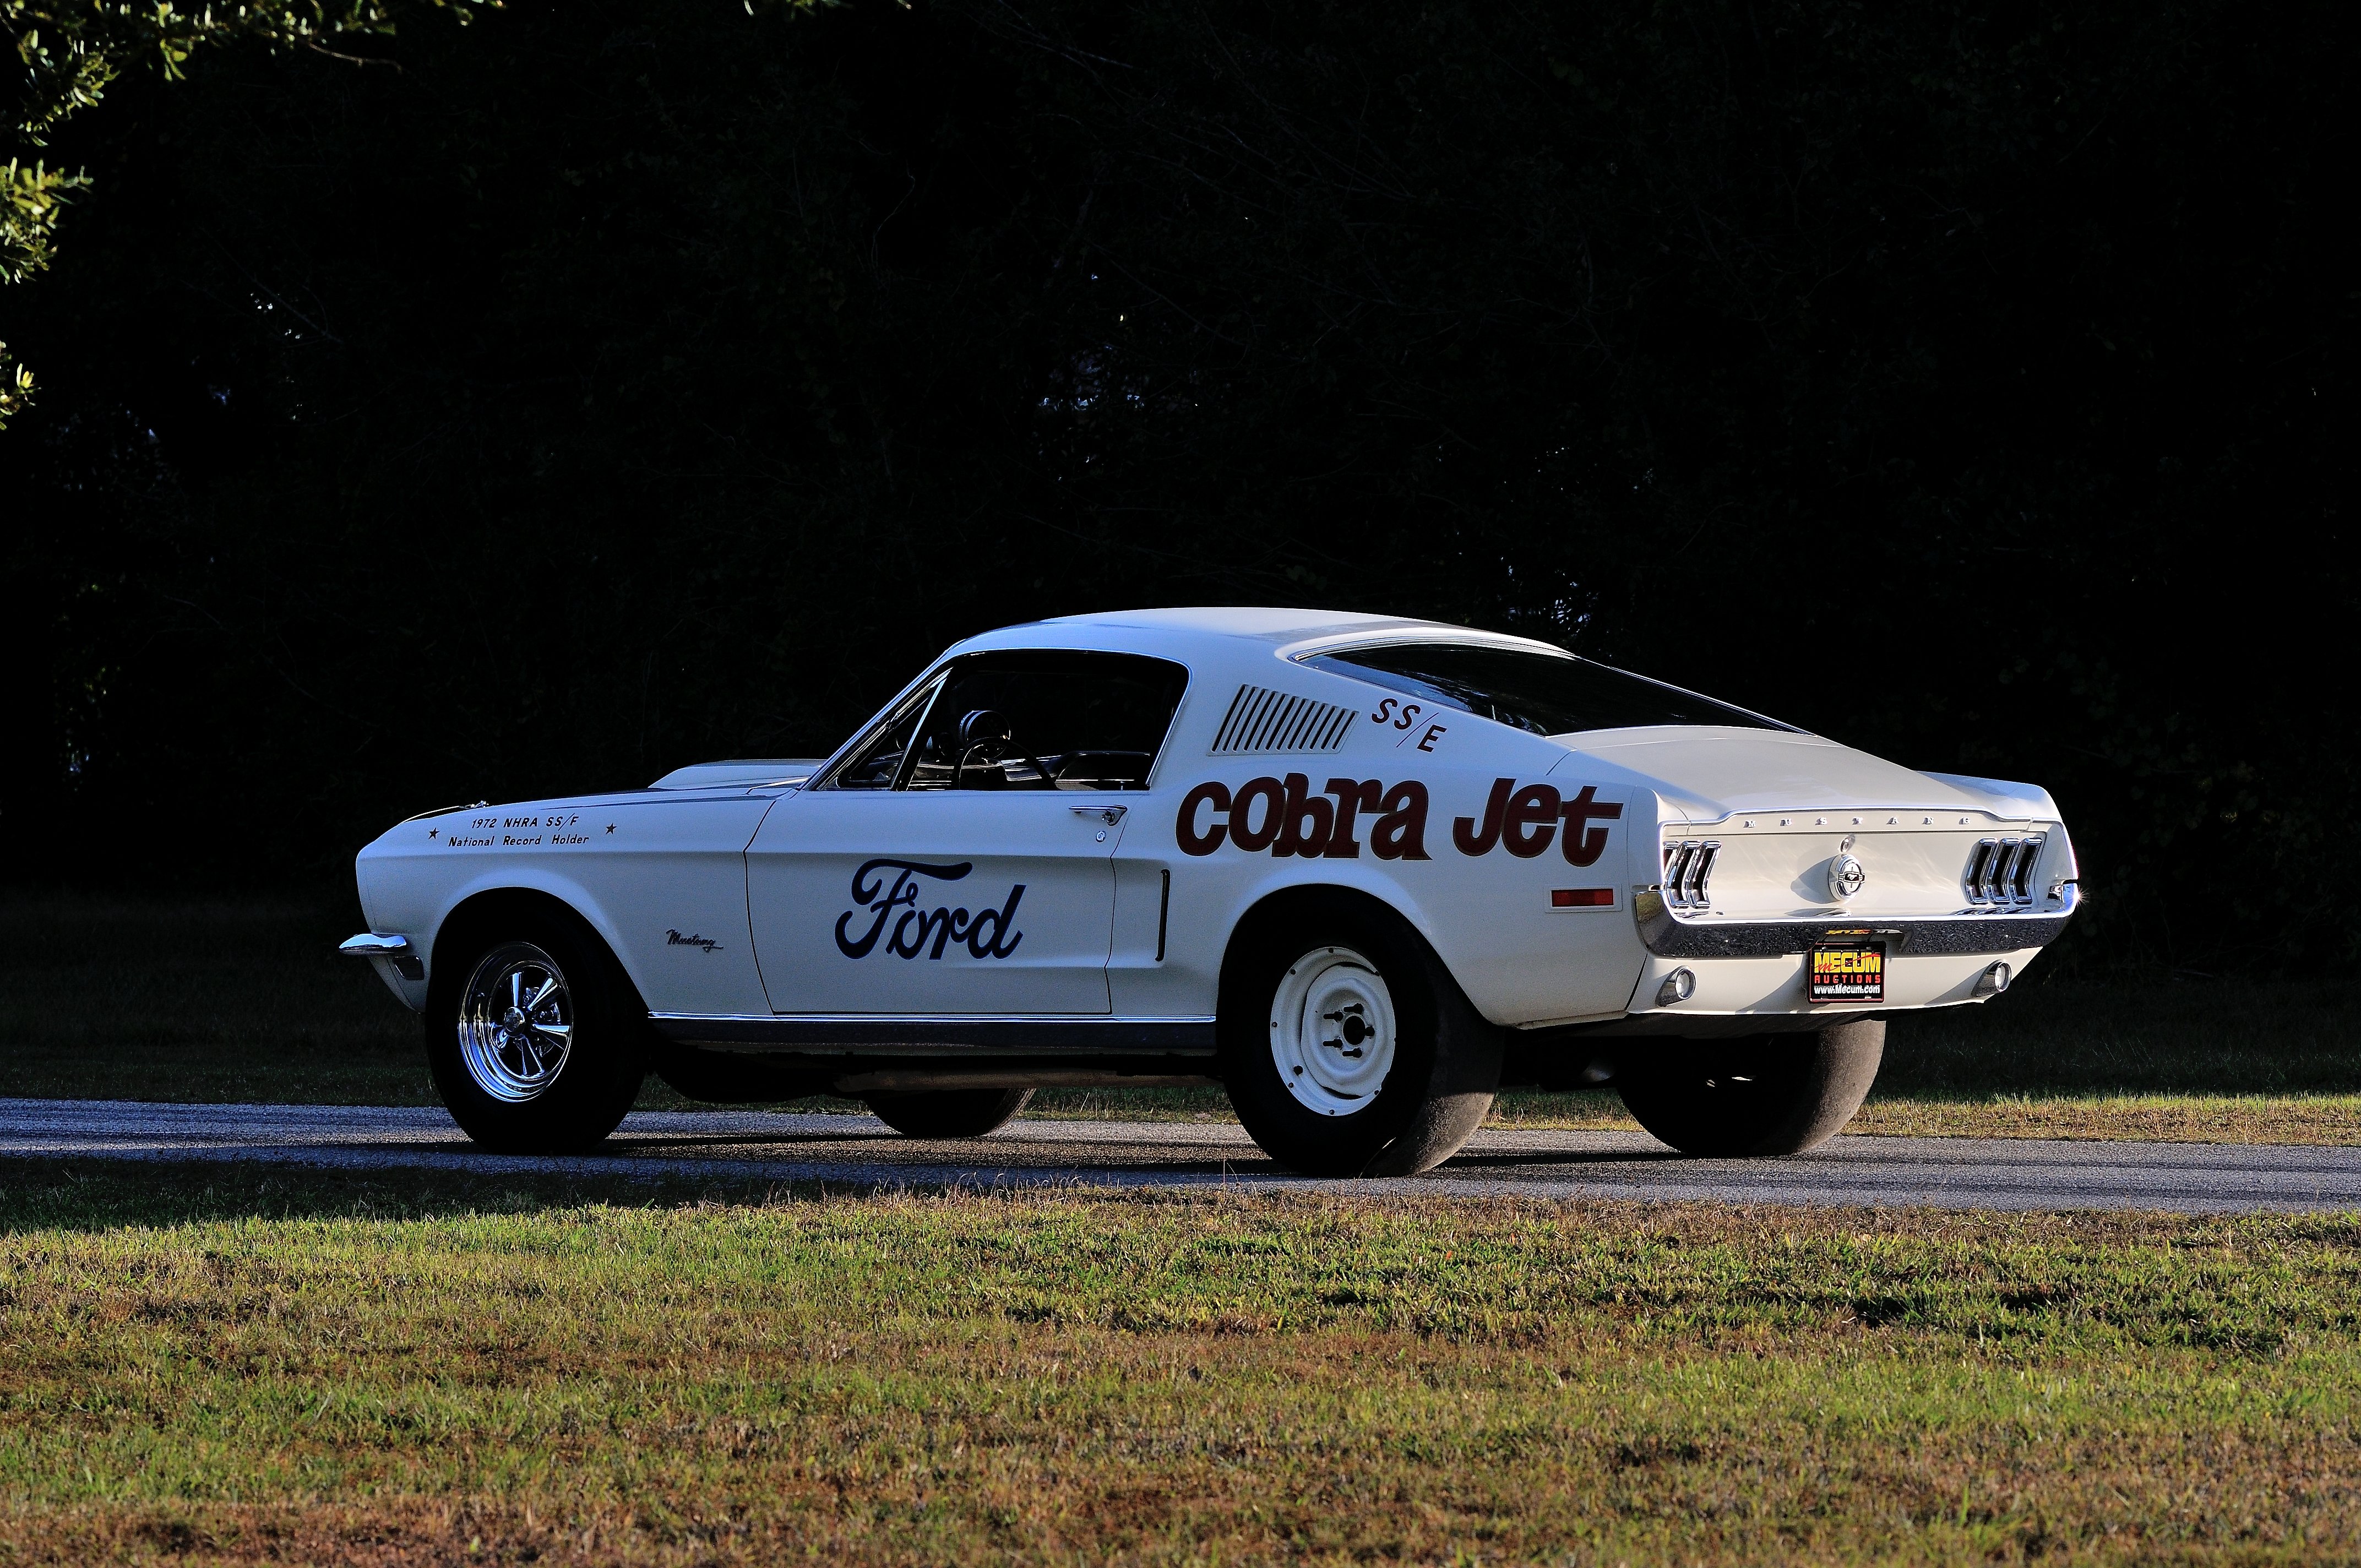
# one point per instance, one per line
(209, 1365)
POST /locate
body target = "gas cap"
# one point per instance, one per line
(1845, 877)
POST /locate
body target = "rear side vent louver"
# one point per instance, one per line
(1689, 865)
(2000, 871)
(1260, 719)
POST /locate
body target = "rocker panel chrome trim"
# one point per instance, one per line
(967, 1035)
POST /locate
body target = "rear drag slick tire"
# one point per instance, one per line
(1767, 1094)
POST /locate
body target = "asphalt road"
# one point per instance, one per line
(1968, 1173)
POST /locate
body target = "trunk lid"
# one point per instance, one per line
(1773, 816)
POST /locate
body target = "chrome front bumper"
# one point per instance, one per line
(396, 952)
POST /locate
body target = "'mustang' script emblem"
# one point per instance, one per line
(988, 934)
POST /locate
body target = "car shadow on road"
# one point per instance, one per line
(925, 1163)
(635, 1143)
(1503, 1159)
(887, 1149)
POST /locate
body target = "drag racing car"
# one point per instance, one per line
(1360, 872)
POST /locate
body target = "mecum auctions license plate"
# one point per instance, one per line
(1847, 971)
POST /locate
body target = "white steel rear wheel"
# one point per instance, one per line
(1333, 1031)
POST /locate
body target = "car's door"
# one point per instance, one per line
(961, 861)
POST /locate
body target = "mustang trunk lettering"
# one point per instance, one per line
(1295, 821)
(1522, 821)
(990, 934)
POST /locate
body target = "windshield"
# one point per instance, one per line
(1548, 693)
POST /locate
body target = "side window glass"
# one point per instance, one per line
(1047, 721)
(879, 762)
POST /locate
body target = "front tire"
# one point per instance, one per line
(1770, 1094)
(533, 1038)
(1346, 1046)
(948, 1113)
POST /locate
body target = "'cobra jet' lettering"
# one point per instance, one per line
(1288, 818)
(1522, 821)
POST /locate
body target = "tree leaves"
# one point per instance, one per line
(71, 51)
(650, 383)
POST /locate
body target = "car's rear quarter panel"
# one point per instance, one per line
(1491, 916)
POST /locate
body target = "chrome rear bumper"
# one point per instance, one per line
(1669, 937)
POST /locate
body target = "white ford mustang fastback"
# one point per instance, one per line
(1361, 871)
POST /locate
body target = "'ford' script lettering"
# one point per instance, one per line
(989, 934)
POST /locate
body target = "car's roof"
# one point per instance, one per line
(1273, 627)
(1262, 623)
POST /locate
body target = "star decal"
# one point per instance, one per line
(611, 827)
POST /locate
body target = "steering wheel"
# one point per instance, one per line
(985, 737)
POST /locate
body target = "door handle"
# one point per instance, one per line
(1110, 814)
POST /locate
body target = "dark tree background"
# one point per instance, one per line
(625, 383)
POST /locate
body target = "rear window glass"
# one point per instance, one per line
(1547, 694)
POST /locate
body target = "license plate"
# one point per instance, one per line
(1847, 971)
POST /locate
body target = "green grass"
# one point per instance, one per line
(216, 1364)
(213, 1363)
(192, 1001)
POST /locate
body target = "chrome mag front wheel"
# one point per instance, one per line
(516, 1024)
(1334, 1035)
